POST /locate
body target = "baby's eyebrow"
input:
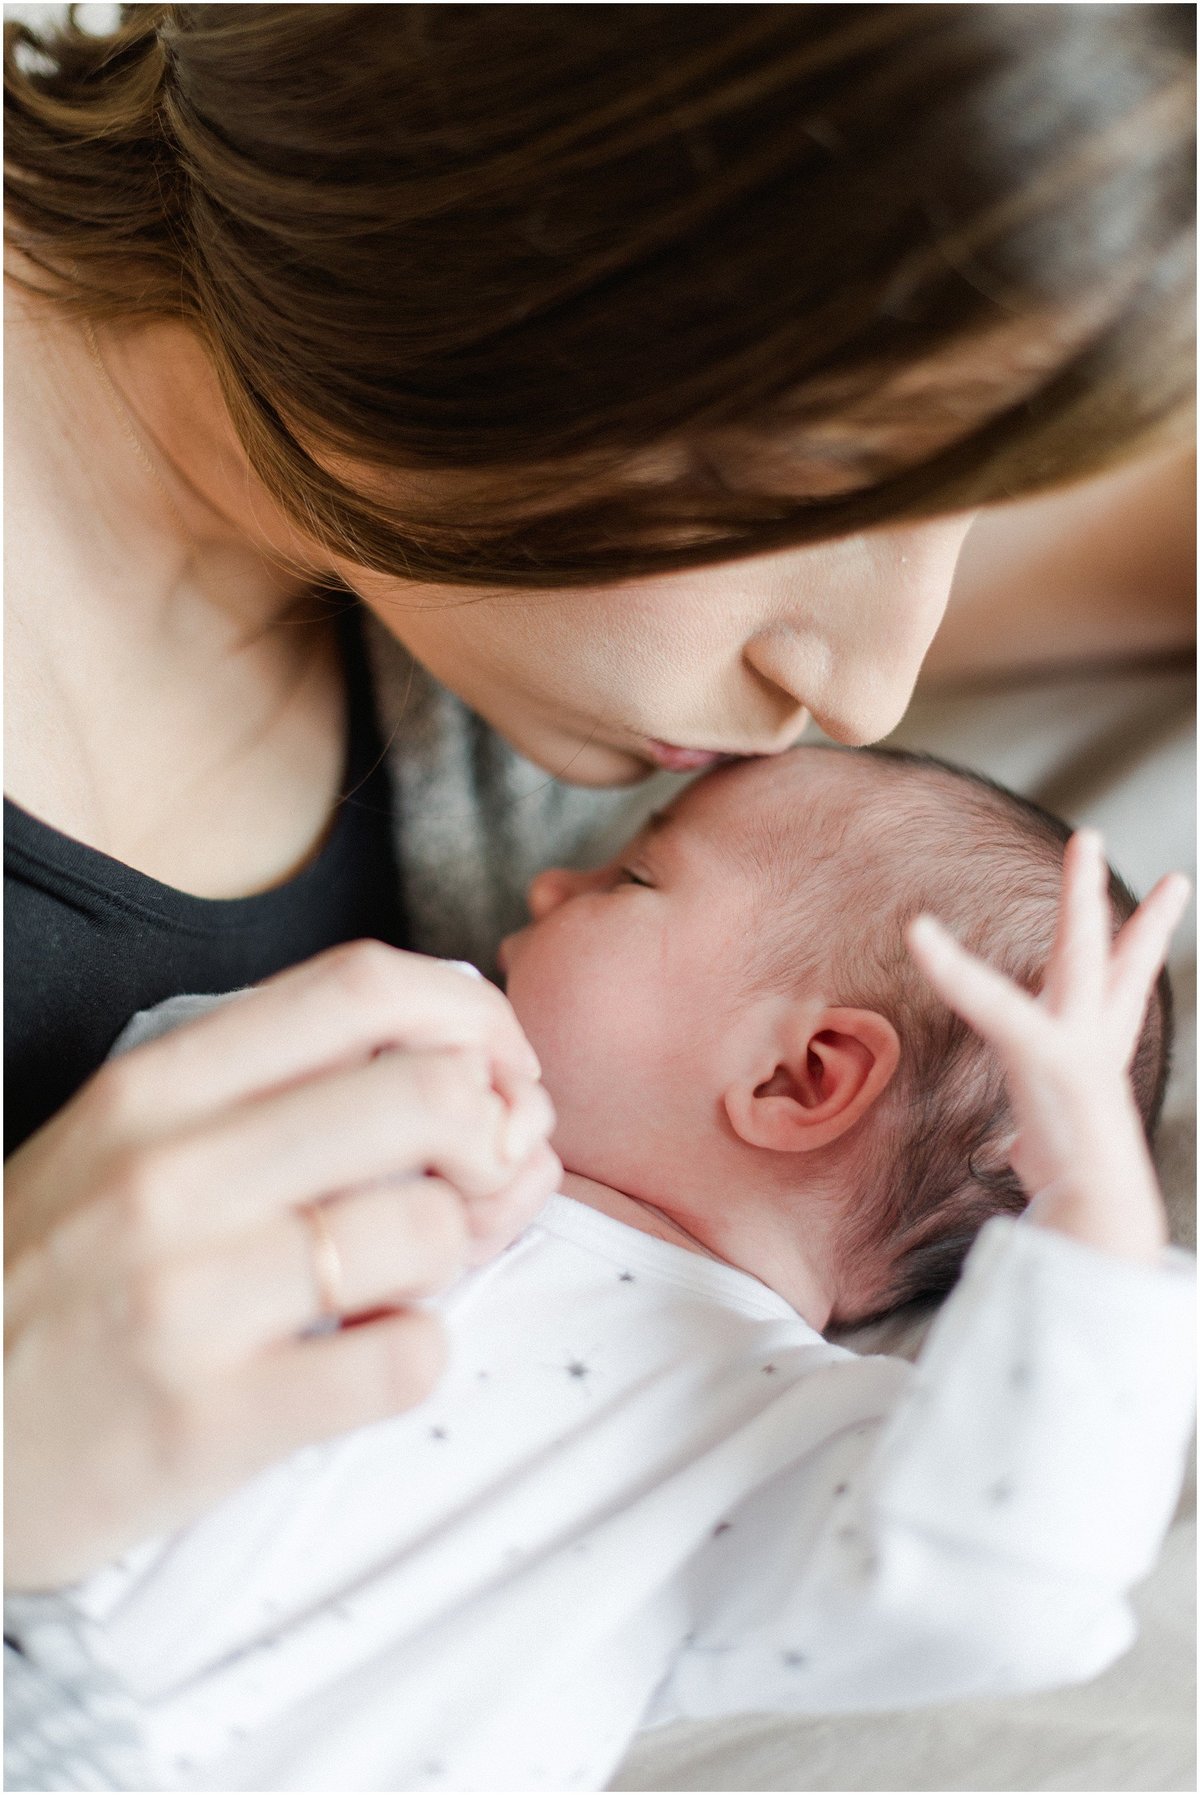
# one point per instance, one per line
(649, 827)
(655, 823)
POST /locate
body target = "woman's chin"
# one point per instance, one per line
(619, 770)
(589, 764)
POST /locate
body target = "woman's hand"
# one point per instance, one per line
(160, 1270)
(1080, 1149)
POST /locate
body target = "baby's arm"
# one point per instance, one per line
(1080, 1150)
(970, 1525)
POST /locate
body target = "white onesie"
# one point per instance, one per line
(647, 1489)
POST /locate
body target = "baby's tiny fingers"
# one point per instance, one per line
(990, 1002)
(1139, 953)
(496, 1221)
(1079, 958)
(531, 1116)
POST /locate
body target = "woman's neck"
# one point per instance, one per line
(165, 384)
(155, 711)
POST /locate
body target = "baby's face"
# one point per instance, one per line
(630, 980)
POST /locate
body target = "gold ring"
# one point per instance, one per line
(328, 1274)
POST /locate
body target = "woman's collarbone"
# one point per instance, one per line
(215, 776)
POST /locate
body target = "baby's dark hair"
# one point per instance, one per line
(932, 1165)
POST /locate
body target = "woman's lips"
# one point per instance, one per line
(685, 760)
(696, 760)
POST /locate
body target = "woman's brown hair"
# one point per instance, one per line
(584, 292)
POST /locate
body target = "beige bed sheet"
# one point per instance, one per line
(1114, 749)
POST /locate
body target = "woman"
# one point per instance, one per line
(638, 371)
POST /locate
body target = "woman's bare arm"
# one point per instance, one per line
(1104, 571)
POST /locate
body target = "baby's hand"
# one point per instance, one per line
(1080, 1148)
(494, 1221)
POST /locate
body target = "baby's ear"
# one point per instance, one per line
(812, 1079)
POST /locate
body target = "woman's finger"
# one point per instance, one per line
(398, 1115)
(392, 1243)
(382, 1247)
(307, 1390)
(1139, 954)
(340, 1007)
(1078, 964)
(990, 1002)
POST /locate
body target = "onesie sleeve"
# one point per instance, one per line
(982, 1534)
(68, 1723)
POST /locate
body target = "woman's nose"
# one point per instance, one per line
(851, 651)
(551, 888)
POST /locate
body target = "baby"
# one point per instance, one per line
(757, 1026)
(648, 1487)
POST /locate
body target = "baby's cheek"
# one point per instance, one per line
(591, 1063)
(559, 1002)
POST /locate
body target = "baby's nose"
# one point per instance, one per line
(551, 888)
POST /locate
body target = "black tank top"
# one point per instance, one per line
(89, 941)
